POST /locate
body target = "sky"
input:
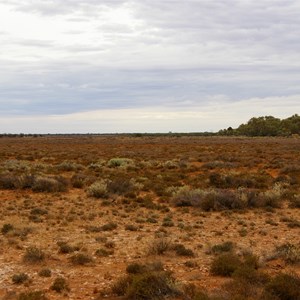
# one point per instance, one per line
(113, 66)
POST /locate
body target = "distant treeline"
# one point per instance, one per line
(260, 126)
(266, 126)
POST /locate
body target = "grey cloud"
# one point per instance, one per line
(57, 7)
(176, 54)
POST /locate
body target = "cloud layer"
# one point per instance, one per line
(72, 58)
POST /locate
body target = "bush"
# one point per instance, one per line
(285, 286)
(33, 255)
(184, 196)
(295, 201)
(69, 166)
(289, 252)
(50, 184)
(121, 285)
(151, 285)
(98, 189)
(224, 247)
(250, 275)
(159, 246)
(8, 181)
(120, 185)
(225, 264)
(66, 248)
(45, 272)
(120, 162)
(81, 259)
(7, 228)
(109, 226)
(130, 227)
(79, 180)
(19, 278)
(182, 251)
(104, 252)
(35, 295)
(60, 285)
(136, 268)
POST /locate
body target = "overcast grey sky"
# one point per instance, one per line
(146, 65)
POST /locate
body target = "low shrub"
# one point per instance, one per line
(81, 259)
(120, 162)
(8, 181)
(19, 278)
(60, 285)
(6, 228)
(159, 246)
(67, 166)
(32, 295)
(103, 252)
(145, 281)
(151, 285)
(120, 185)
(50, 184)
(285, 286)
(66, 248)
(181, 250)
(130, 227)
(289, 252)
(225, 264)
(109, 226)
(45, 272)
(136, 268)
(98, 189)
(33, 255)
(295, 201)
(224, 247)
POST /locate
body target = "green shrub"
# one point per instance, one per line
(98, 189)
(120, 162)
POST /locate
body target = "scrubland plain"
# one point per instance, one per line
(124, 217)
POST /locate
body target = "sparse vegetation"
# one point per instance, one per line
(196, 204)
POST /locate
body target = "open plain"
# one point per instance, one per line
(85, 217)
